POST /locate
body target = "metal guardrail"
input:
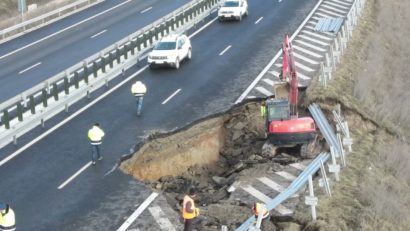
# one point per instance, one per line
(307, 175)
(340, 42)
(42, 20)
(38, 104)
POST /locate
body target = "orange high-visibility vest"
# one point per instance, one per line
(185, 213)
(257, 208)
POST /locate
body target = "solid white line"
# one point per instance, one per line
(72, 116)
(161, 218)
(149, 8)
(226, 49)
(99, 33)
(60, 31)
(137, 212)
(257, 21)
(30, 67)
(22, 149)
(170, 97)
(74, 176)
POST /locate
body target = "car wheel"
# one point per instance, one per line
(240, 18)
(177, 63)
(151, 66)
(189, 56)
(220, 19)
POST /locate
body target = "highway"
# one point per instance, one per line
(40, 183)
(36, 56)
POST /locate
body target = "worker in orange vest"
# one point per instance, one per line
(259, 208)
(189, 211)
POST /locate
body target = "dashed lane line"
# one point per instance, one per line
(171, 96)
(148, 9)
(257, 21)
(74, 176)
(99, 33)
(29, 68)
(225, 50)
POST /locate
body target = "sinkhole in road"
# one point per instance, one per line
(209, 155)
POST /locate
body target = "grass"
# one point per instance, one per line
(373, 193)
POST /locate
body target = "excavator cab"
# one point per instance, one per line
(277, 110)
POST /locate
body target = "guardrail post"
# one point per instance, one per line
(55, 91)
(32, 105)
(111, 59)
(126, 49)
(103, 63)
(324, 179)
(347, 140)
(44, 97)
(19, 111)
(66, 86)
(85, 71)
(118, 53)
(76, 80)
(6, 119)
(334, 167)
(342, 151)
(95, 69)
(311, 200)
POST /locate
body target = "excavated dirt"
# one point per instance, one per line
(209, 155)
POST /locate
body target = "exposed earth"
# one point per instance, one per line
(373, 193)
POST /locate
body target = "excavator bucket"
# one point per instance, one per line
(281, 90)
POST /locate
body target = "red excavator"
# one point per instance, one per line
(284, 127)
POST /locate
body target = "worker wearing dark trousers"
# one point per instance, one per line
(95, 135)
(189, 211)
(7, 218)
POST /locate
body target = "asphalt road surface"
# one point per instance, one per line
(37, 56)
(226, 59)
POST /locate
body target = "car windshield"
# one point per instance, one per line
(231, 4)
(278, 113)
(165, 46)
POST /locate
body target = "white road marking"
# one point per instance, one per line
(72, 116)
(328, 14)
(149, 8)
(301, 57)
(60, 31)
(310, 45)
(264, 91)
(336, 5)
(341, 2)
(265, 199)
(29, 68)
(298, 166)
(307, 51)
(99, 33)
(225, 50)
(312, 28)
(170, 97)
(274, 73)
(286, 175)
(40, 137)
(257, 21)
(161, 218)
(275, 186)
(268, 81)
(316, 35)
(313, 40)
(137, 212)
(334, 9)
(74, 176)
(298, 65)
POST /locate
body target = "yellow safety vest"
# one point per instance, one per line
(8, 220)
(257, 208)
(185, 213)
(138, 89)
(263, 110)
(95, 135)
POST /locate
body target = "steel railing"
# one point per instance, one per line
(39, 103)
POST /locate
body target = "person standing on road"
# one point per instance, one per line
(138, 89)
(95, 135)
(7, 218)
(189, 211)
